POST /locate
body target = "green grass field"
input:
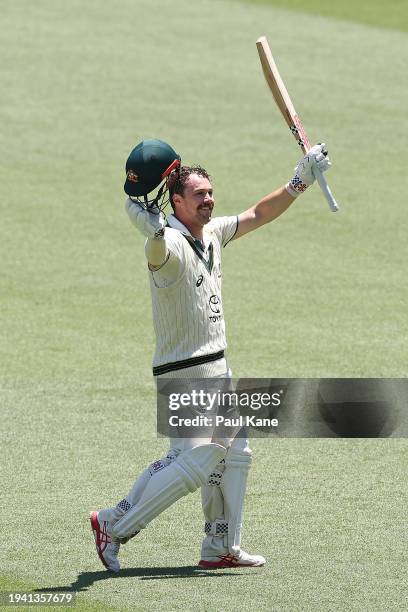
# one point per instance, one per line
(314, 294)
(378, 13)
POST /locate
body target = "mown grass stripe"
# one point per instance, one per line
(379, 13)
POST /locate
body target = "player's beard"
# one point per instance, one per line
(205, 213)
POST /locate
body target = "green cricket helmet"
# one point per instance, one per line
(150, 163)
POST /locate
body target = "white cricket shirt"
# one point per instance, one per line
(186, 295)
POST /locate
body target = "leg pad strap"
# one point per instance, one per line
(216, 528)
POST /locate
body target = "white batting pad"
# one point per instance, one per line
(112, 515)
(184, 475)
(223, 501)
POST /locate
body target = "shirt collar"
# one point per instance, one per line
(174, 223)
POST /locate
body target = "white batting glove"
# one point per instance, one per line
(150, 222)
(304, 175)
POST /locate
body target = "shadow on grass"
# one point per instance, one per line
(86, 579)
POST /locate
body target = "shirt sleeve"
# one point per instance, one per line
(173, 267)
(225, 228)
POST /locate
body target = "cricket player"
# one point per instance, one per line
(183, 254)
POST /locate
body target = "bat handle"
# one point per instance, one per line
(326, 189)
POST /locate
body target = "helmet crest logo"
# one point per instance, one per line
(132, 176)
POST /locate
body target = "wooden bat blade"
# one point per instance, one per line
(274, 80)
(280, 93)
(286, 107)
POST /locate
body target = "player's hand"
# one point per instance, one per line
(150, 222)
(304, 171)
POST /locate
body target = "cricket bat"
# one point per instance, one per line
(285, 105)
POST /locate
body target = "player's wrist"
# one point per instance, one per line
(295, 187)
(159, 234)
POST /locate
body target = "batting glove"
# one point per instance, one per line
(304, 171)
(150, 222)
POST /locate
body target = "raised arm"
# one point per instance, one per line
(151, 224)
(266, 210)
(275, 203)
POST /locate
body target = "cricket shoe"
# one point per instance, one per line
(106, 546)
(230, 560)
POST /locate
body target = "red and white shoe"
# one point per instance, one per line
(106, 546)
(230, 560)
